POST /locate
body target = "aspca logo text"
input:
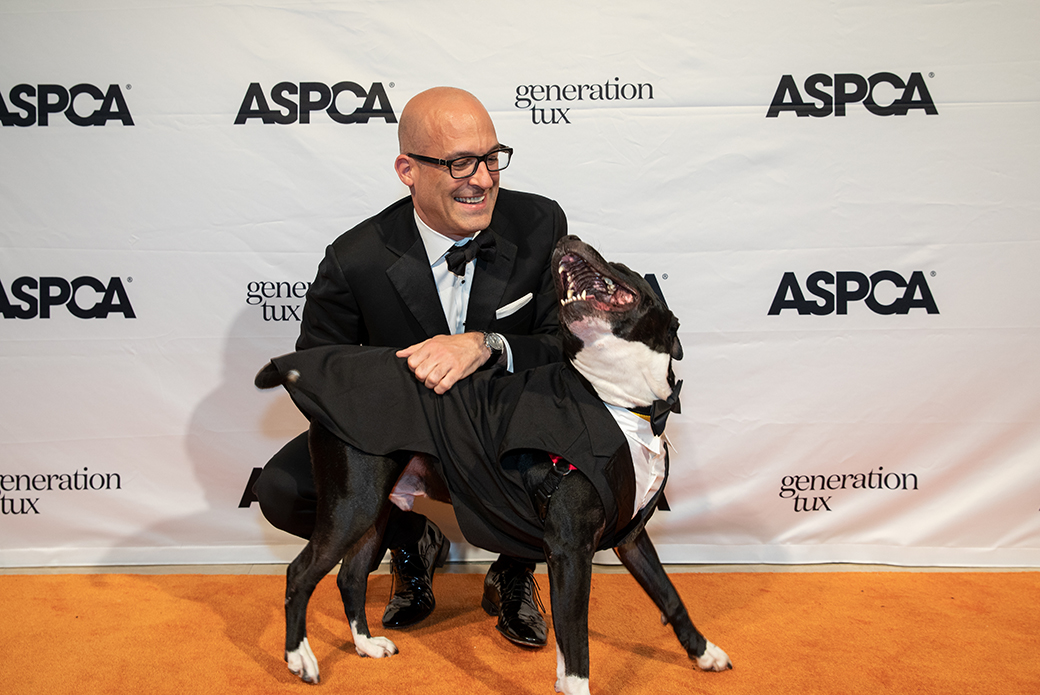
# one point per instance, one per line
(294, 103)
(884, 292)
(883, 94)
(85, 298)
(83, 105)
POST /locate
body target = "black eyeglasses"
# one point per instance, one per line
(464, 167)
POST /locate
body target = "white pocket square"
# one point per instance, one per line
(513, 307)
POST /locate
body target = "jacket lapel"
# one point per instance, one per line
(411, 275)
(490, 279)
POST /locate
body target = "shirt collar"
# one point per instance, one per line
(436, 243)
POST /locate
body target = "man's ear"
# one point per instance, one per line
(403, 165)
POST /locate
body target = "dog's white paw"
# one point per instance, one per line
(303, 663)
(713, 659)
(374, 647)
(569, 685)
(572, 685)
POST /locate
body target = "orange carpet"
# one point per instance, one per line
(847, 633)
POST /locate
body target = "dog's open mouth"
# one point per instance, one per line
(583, 283)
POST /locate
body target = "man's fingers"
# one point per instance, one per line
(440, 362)
(413, 354)
(445, 383)
(439, 378)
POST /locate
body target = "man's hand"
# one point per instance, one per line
(442, 360)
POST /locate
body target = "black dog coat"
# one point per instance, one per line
(369, 398)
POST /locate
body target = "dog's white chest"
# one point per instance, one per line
(623, 372)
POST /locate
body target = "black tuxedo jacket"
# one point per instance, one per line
(375, 286)
(368, 397)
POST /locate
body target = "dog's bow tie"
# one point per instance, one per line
(661, 409)
(657, 412)
(483, 247)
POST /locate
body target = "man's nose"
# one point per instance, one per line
(482, 176)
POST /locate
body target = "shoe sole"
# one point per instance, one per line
(520, 643)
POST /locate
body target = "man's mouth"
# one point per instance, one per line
(473, 200)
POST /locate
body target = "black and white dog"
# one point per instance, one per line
(550, 464)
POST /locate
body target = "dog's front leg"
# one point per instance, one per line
(573, 526)
(640, 557)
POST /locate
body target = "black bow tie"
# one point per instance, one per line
(483, 247)
(660, 410)
(657, 412)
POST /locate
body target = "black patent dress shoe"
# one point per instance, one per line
(411, 569)
(511, 593)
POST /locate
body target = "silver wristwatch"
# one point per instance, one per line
(496, 344)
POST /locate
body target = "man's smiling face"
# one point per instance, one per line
(450, 127)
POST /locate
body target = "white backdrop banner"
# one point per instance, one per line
(838, 200)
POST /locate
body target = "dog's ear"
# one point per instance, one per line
(268, 377)
(673, 334)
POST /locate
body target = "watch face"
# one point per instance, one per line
(494, 342)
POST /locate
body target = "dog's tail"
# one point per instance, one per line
(269, 377)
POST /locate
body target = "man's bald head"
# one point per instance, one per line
(432, 116)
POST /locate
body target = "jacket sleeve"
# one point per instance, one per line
(331, 315)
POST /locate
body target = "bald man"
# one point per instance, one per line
(393, 281)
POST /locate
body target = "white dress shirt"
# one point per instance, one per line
(453, 290)
(648, 453)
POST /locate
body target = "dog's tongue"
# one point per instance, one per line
(622, 297)
(613, 297)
